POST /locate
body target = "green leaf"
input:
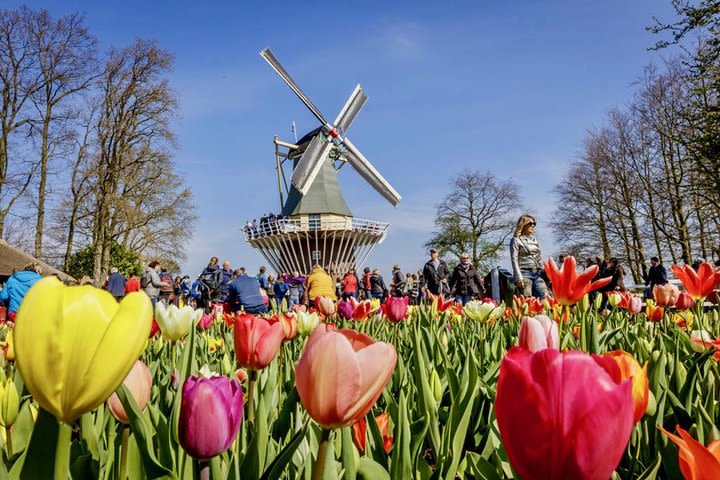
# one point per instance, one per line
(39, 460)
(276, 468)
(651, 472)
(371, 470)
(143, 432)
(401, 464)
(348, 454)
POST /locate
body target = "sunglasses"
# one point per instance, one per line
(532, 224)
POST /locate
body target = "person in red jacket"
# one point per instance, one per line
(132, 284)
(349, 285)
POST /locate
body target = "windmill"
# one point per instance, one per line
(316, 225)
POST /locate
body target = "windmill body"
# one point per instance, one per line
(316, 225)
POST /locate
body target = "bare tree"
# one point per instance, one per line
(477, 216)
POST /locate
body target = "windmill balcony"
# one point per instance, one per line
(308, 223)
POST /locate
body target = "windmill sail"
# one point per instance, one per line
(361, 165)
(352, 107)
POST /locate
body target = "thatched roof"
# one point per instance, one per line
(14, 258)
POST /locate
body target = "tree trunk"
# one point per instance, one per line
(43, 183)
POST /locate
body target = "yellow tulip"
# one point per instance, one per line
(9, 403)
(75, 345)
(8, 347)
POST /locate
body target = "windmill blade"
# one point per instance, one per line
(353, 105)
(312, 160)
(275, 64)
(368, 172)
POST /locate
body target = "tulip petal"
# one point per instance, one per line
(378, 362)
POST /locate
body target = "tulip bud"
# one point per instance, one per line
(174, 379)
(684, 301)
(345, 310)
(306, 322)
(9, 403)
(139, 383)
(444, 340)
(8, 347)
(325, 305)
(584, 303)
(436, 386)
(598, 301)
(614, 299)
(538, 333)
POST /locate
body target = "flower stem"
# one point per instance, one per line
(322, 453)
(252, 376)
(123, 453)
(8, 442)
(62, 451)
(204, 469)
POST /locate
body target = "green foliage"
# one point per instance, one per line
(127, 261)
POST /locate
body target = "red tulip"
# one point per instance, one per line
(696, 461)
(630, 302)
(538, 333)
(361, 310)
(684, 301)
(665, 295)
(698, 284)
(527, 306)
(211, 410)
(569, 287)
(155, 328)
(241, 374)
(359, 430)
(561, 415)
(439, 302)
(629, 369)
(653, 312)
(139, 383)
(395, 309)
(288, 322)
(341, 374)
(256, 341)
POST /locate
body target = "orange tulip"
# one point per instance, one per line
(654, 313)
(288, 322)
(696, 461)
(529, 306)
(361, 310)
(341, 374)
(569, 287)
(359, 430)
(629, 368)
(698, 284)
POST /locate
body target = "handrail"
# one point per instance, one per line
(270, 227)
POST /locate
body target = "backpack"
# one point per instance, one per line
(146, 279)
(366, 281)
(167, 283)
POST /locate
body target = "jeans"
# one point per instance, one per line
(534, 284)
(379, 296)
(347, 295)
(462, 299)
(292, 301)
(256, 310)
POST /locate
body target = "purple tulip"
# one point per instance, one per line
(211, 410)
(345, 310)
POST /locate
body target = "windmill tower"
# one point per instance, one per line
(316, 225)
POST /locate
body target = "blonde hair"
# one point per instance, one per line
(522, 222)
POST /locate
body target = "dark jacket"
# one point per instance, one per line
(466, 281)
(225, 276)
(116, 285)
(377, 284)
(434, 278)
(244, 292)
(657, 276)
(398, 283)
(17, 287)
(281, 289)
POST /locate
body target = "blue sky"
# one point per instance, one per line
(510, 87)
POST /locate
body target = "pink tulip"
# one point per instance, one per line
(538, 333)
(211, 410)
(325, 306)
(395, 309)
(341, 374)
(665, 295)
(561, 415)
(345, 310)
(684, 301)
(139, 383)
(205, 322)
(256, 341)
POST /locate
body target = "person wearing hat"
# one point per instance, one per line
(435, 274)
(397, 286)
(465, 281)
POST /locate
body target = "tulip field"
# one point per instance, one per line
(532, 389)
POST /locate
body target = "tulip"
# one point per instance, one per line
(211, 410)
(176, 322)
(568, 286)
(8, 346)
(341, 374)
(696, 461)
(325, 306)
(698, 284)
(75, 345)
(665, 295)
(440, 304)
(528, 306)
(9, 403)
(359, 432)
(482, 311)
(538, 333)
(345, 310)
(615, 299)
(289, 324)
(241, 374)
(630, 302)
(629, 368)
(306, 322)
(684, 301)
(205, 322)
(361, 310)
(154, 329)
(214, 344)
(561, 415)
(395, 309)
(139, 384)
(701, 341)
(256, 341)
(654, 313)
(684, 319)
